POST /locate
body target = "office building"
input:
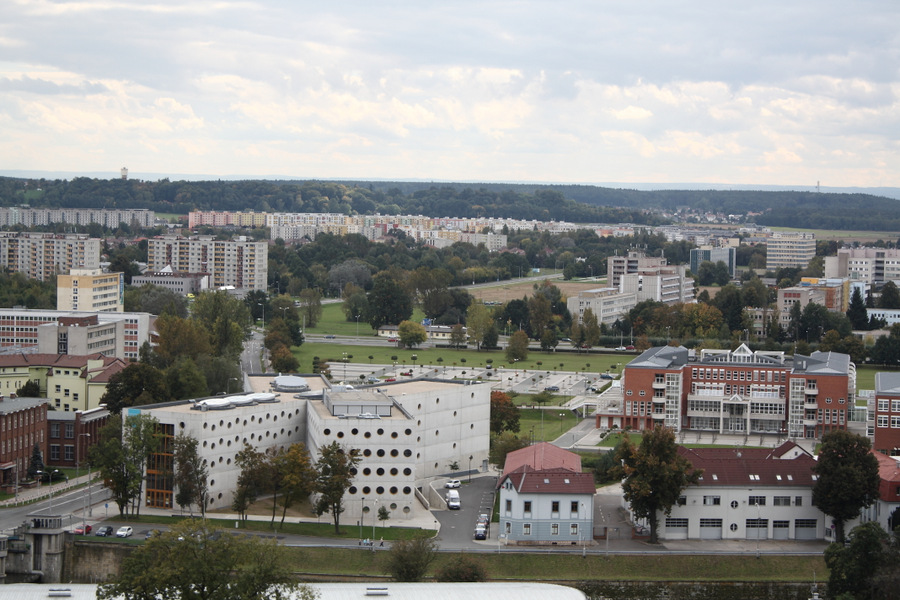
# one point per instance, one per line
(790, 249)
(90, 290)
(869, 265)
(714, 255)
(607, 304)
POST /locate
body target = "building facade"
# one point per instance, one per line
(20, 330)
(734, 391)
(90, 290)
(884, 411)
(136, 218)
(786, 249)
(44, 255)
(633, 262)
(714, 255)
(747, 494)
(242, 264)
(70, 383)
(607, 304)
(669, 285)
(23, 423)
(869, 265)
(71, 434)
(180, 283)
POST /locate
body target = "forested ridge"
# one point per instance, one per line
(576, 203)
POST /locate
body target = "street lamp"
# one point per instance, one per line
(263, 312)
(283, 314)
(52, 473)
(77, 464)
(470, 468)
(757, 528)
(78, 454)
(362, 514)
(357, 326)
(228, 384)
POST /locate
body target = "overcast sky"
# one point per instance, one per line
(778, 92)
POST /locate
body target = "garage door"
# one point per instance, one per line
(805, 529)
(781, 530)
(757, 529)
(676, 529)
(710, 529)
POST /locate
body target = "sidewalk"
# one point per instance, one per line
(43, 492)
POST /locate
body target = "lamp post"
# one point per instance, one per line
(357, 326)
(263, 312)
(78, 454)
(283, 313)
(83, 507)
(362, 514)
(228, 385)
(470, 468)
(757, 528)
(52, 473)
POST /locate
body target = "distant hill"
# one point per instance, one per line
(577, 203)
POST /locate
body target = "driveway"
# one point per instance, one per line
(458, 526)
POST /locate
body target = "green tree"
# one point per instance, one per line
(135, 385)
(310, 306)
(478, 321)
(389, 302)
(30, 389)
(868, 568)
(518, 346)
(180, 338)
(847, 478)
(408, 560)
(458, 336)
(191, 473)
(411, 334)
(335, 470)
(549, 339)
(504, 413)
(890, 296)
(540, 314)
(654, 475)
(121, 456)
(199, 561)
(491, 336)
(283, 360)
(186, 380)
(225, 318)
(36, 464)
(297, 474)
(591, 328)
(856, 312)
(252, 480)
(503, 444)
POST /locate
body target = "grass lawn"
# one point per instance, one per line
(553, 424)
(507, 564)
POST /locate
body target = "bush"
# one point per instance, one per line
(408, 560)
(462, 568)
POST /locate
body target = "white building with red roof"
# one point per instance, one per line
(545, 498)
(885, 509)
(748, 493)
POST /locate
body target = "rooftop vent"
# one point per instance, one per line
(376, 591)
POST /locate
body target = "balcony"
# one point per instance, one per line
(811, 391)
(659, 385)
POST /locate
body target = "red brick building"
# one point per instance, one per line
(23, 423)
(733, 391)
(887, 414)
(71, 434)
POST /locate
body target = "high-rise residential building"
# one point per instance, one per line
(242, 264)
(136, 218)
(714, 255)
(790, 249)
(869, 265)
(43, 255)
(90, 290)
(633, 262)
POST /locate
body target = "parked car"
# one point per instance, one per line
(372, 379)
(607, 376)
(389, 379)
(629, 347)
(620, 348)
(483, 519)
(565, 339)
(330, 337)
(393, 339)
(104, 531)
(453, 483)
(124, 531)
(83, 530)
(406, 373)
(551, 388)
(480, 533)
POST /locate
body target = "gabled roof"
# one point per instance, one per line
(542, 456)
(822, 363)
(65, 361)
(661, 357)
(888, 467)
(526, 480)
(788, 465)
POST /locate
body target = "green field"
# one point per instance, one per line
(832, 234)
(553, 425)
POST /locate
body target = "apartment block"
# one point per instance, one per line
(667, 284)
(633, 262)
(869, 265)
(136, 218)
(607, 304)
(43, 255)
(241, 263)
(90, 290)
(786, 249)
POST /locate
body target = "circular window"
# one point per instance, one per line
(245, 422)
(437, 400)
(420, 407)
(380, 431)
(221, 422)
(229, 425)
(366, 489)
(407, 490)
(380, 452)
(407, 453)
(454, 444)
(228, 462)
(394, 489)
(379, 471)
(437, 432)
(395, 452)
(408, 432)
(282, 413)
(472, 426)
(327, 432)
(181, 424)
(733, 527)
(394, 471)
(212, 482)
(340, 434)
(367, 434)
(353, 470)
(204, 443)
(220, 495)
(367, 452)
(407, 471)
(379, 490)
(212, 446)
(367, 471)
(352, 489)
(354, 431)
(205, 425)
(393, 506)
(454, 413)
(213, 428)
(734, 504)
(394, 435)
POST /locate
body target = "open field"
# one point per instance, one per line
(517, 289)
(553, 424)
(846, 236)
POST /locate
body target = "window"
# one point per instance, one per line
(573, 507)
(526, 529)
(895, 421)
(573, 529)
(712, 500)
(526, 507)
(70, 430)
(781, 501)
(70, 452)
(798, 500)
(554, 529)
(709, 523)
(882, 421)
(508, 507)
(54, 430)
(554, 506)
(682, 500)
(54, 451)
(756, 501)
(895, 405)
(677, 523)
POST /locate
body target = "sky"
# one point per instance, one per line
(771, 92)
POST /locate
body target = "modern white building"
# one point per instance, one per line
(607, 304)
(407, 434)
(869, 265)
(747, 493)
(790, 249)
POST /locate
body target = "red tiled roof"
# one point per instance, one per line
(751, 466)
(542, 456)
(888, 467)
(550, 481)
(66, 361)
(108, 370)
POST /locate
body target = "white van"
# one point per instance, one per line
(453, 500)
